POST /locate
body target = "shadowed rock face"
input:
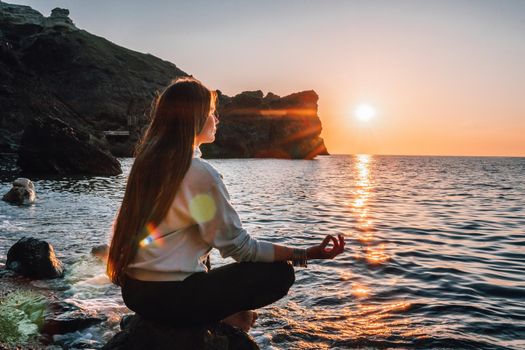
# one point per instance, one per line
(51, 147)
(49, 67)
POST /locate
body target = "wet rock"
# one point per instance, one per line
(63, 317)
(74, 340)
(34, 258)
(100, 251)
(52, 147)
(85, 344)
(5, 273)
(138, 333)
(125, 321)
(22, 192)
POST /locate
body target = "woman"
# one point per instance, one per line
(175, 210)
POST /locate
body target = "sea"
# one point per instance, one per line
(434, 259)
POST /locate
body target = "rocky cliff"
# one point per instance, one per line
(49, 67)
(257, 126)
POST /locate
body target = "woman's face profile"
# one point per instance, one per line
(207, 134)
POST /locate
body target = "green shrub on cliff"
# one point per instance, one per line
(21, 315)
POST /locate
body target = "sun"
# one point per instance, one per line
(365, 112)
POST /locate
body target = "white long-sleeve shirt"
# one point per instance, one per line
(199, 219)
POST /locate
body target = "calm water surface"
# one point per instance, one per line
(435, 255)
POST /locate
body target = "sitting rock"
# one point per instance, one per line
(22, 192)
(34, 258)
(100, 251)
(138, 333)
(49, 146)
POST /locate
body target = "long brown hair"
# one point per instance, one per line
(161, 161)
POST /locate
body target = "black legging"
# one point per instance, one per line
(208, 297)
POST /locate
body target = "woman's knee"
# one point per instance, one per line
(129, 301)
(284, 276)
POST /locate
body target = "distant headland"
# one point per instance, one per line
(51, 68)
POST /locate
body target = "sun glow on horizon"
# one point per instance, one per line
(365, 112)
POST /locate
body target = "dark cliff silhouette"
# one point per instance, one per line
(49, 67)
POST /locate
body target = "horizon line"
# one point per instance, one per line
(424, 155)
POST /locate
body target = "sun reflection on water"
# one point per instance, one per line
(363, 187)
(368, 318)
(360, 291)
(346, 326)
(372, 252)
(376, 254)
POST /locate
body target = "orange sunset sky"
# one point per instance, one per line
(442, 77)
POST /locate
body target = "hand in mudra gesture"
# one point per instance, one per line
(322, 251)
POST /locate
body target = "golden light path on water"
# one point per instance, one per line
(366, 318)
(352, 324)
(373, 252)
(360, 316)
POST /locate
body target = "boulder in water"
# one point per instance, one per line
(22, 192)
(34, 258)
(100, 251)
(138, 333)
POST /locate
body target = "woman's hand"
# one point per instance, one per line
(322, 252)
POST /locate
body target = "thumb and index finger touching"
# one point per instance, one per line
(327, 240)
(339, 244)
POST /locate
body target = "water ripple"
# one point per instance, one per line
(435, 255)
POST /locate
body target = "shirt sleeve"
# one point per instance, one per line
(220, 226)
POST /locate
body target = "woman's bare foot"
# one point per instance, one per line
(243, 320)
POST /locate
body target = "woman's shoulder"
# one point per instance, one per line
(202, 174)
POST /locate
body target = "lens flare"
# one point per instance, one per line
(202, 208)
(154, 236)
